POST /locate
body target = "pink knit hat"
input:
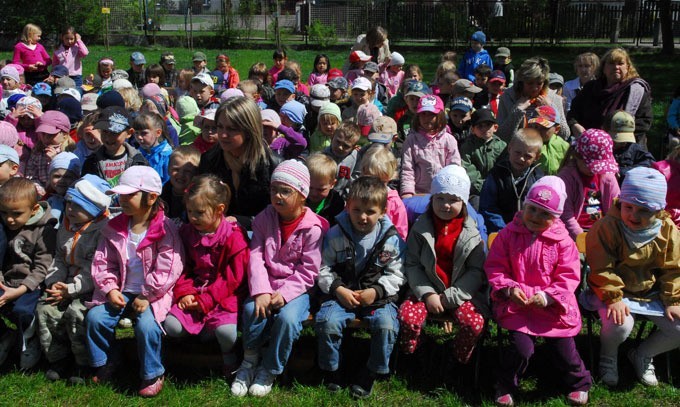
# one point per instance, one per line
(294, 174)
(8, 134)
(596, 148)
(548, 193)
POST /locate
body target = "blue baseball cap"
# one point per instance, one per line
(41, 88)
(138, 58)
(285, 84)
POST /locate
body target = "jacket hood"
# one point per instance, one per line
(119, 226)
(557, 231)
(43, 216)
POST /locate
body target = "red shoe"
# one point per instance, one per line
(151, 388)
(505, 400)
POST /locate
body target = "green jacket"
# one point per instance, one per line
(478, 158)
(552, 154)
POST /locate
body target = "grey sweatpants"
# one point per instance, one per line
(61, 329)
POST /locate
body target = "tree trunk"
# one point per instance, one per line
(666, 27)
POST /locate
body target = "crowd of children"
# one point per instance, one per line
(197, 203)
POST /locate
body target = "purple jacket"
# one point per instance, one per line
(161, 252)
(290, 268)
(547, 262)
(423, 157)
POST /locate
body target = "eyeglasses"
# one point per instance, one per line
(283, 192)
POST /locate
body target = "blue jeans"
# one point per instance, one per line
(101, 322)
(22, 310)
(331, 321)
(78, 79)
(282, 329)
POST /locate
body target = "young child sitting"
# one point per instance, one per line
(495, 87)
(205, 121)
(284, 263)
(479, 153)
(284, 92)
(329, 120)
(61, 311)
(627, 153)
(187, 109)
(9, 163)
(533, 268)
(53, 137)
(23, 114)
(444, 267)
(360, 277)
(323, 199)
(670, 168)
(460, 113)
(151, 133)
(202, 91)
(634, 257)
(182, 167)
(503, 62)
(89, 138)
(510, 179)
(362, 93)
(289, 133)
(357, 60)
(475, 56)
(64, 170)
(31, 235)
(555, 148)
(342, 150)
(482, 74)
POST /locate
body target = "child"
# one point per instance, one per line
(413, 73)
(339, 96)
(182, 168)
(428, 147)
(482, 74)
(412, 91)
(362, 93)
(460, 113)
(31, 55)
(391, 75)
(586, 66)
(627, 153)
(589, 172)
(280, 58)
(479, 153)
(9, 164)
(533, 295)
(510, 179)
(150, 131)
(187, 109)
(70, 53)
(379, 162)
(31, 242)
(670, 168)
(357, 60)
(503, 62)
(494, 88)
(633, 254)
(284, 262)
(206, 122)
(342, 150)
(11, 85)
(89, 138)
(323, 199)
(134, 269)
(167, 61)
(209, 292)
(115, 155)
(200, 62)
(183, 82)
(293, 143)
(53, 138)
(284, 92)
(61, 311)
(202, 91)
(227, 75)
(361, 275)
(475, 56)
(547, 123)
(103, 80)
(443, 266)
(322, 64)
(136, 73)
(64, 170)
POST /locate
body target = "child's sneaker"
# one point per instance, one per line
(644, 368)
(151, 388)
(505, 400)
(578, 398)
(80, 375)
(363, 388)
(262, 385)
(7, 341)
(609, 371)
(58, 370)
(31, 355)
(243, 379)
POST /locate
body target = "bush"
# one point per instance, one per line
(321, 34)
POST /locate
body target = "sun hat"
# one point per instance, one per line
(452, 180)
(595, 146)
(65, 161)
(137, 178)
(295, 111)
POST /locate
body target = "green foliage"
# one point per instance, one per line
(52, 15)
(321, 34)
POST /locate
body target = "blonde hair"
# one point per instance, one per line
(322, 166)
(28, 31)
(588, 57)
(443, 68)
(532, 68)
(618, 55)
(379, 161)
(189, 153)
(245, 115)
(87, 121)
(449, 56)
(527, 137)
(208, 190)
(295, 66)
(248, 86)
(186, 75)
(132, 100)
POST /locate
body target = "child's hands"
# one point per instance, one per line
(448, 327)
(140, 304)
(52, 151)
(116, 298)
(78, 37)
(367, 296)
(269, 123)
(673, 312)
(18, 112)
(433, 302)
(517, 296)
(10, 294)
(618, 311)
(33, 109)
(348, 298)
(262, 305)
(188, 303)
(537, 300)
(57, 293)
(277, 301)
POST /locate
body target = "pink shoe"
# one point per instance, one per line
(578, 398)
(151, 388)
(505, 400)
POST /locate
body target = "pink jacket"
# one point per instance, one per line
(317, 78)
(671, 170)
(27, 138)
(25, 56)
(423, 157)
(547, 262)
(609, 188)
(391, 80)
(201, 277)
(289, 268)
(71, 58)
(161, 253)
(396, 211)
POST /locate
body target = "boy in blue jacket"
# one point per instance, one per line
(474, 57)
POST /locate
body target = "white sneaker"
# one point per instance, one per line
(609, 371)
(262, 385)
(644, 368)
(243, 379)
(6, 343)
(31, 355)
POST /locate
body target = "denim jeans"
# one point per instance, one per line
(22, 310)
(332, 319)
(282, 329)
(101, 322)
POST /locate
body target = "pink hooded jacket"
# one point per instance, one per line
(289, 268)
(671, 171)
(161, 252)
(397, 212)
(423, 157)
(547, 262)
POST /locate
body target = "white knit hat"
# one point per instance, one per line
(452, 180)
(396, 59)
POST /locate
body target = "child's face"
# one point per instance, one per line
(199, 65)
(16, 213)
(536, 219)
(35, 37)
(459, 117)
(319, 188)
(202, 217)
(412, 74)
(545, 132)
(322, 65)
(395, 68)
(153, 79)
(7, 170)
(282, 96)
(132, 203)
(113, 142)
(181, 172)
(51, 140)
(182, 83)
(412, 103)
(68, 40)
(328, 124)
(636, 217)
(494, 87)
(522, 156)
(481, 80)
(583, 167)
(444, 86)
(360, 97)
(446, 206)
(484, 130)
(270, 133)
(223, 66)
(209, 131)
(76, 215)
(476, 46)
(364, 215)
(585, 70)
(148, 138)
(279, 62)
(336, 94)
(201, 93)
(61, 179)
(286, 201)
(92, 138)
(428, 121)
(106, 70)
(230, 137)
(502, 60)
(8, 83)
(342, 145)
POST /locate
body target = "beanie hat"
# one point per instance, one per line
(597, 150)
(231, 93)
(479, 36)
(7, 153)
(66, 161)
(644, 187)
(396, 59)
(72, 109)
(452, 180)
(14, 99)
(150, 89)
(110, 98)
(294, 174)
(8, 134)
(332, 109)
(548, 193)
(10, 72)
(27, 101)
(295, 111)
(187, 107)
(20, 69)
(89, 193)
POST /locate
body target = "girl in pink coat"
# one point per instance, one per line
(670, 168)
(134, 269)
(533, 269)
(209, 292)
